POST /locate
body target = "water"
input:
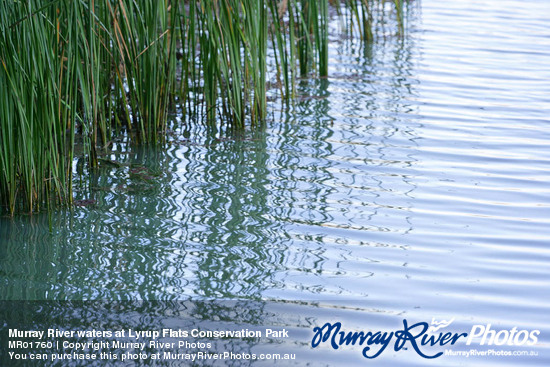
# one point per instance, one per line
(412, 183)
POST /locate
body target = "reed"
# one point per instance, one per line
(82, 70)
(37, 105)
(72, 68)
(144, 50)
(360, 17)
(232, 51)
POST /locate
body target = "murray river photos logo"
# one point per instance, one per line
(421, 337)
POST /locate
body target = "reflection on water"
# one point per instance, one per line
(412, 181)
(160, 224)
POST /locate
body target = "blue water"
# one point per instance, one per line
(411, 183)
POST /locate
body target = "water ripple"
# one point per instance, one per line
(413, 178)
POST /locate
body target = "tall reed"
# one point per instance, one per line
(232, 39)
(37, 104)
(80, 70)
(145, 53)
(71, 67)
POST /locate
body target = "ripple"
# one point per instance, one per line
(414, 180)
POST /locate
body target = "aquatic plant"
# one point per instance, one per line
(77, 69)
(77, 72)
(37, 103)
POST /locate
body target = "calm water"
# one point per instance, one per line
(413, 182)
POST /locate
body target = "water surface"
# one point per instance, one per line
(413, 182)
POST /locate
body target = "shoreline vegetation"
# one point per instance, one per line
(77, 73)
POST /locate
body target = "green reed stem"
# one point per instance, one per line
(80, 70)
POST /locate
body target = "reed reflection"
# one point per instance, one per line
(228, 226)
(342, 157)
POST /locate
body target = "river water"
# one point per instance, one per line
(411, 183)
